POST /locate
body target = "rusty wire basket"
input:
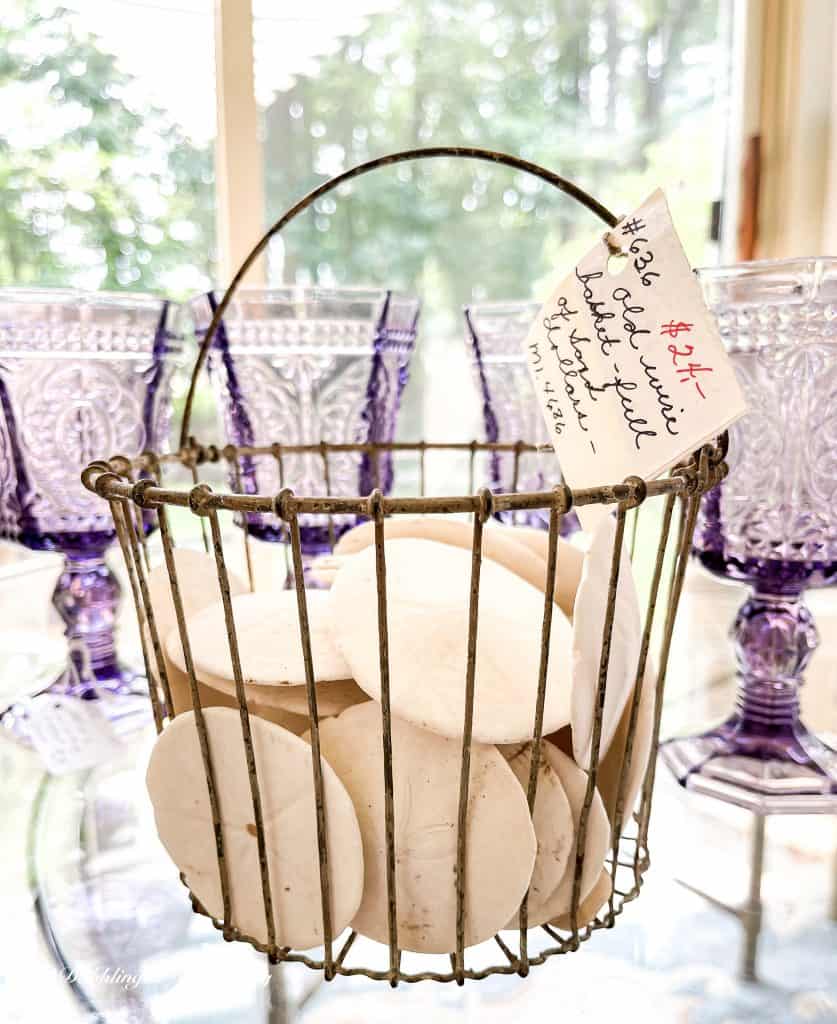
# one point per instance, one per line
(138, 498)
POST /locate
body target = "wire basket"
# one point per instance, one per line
(136, 494)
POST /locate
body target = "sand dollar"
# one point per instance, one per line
(590, 905)
(574, 783)
(197, 578)
(177, 786)
(269, 640)
(295, 722)
(613, 763)
(588, 623)
(568, 566)
(428, 588)
(332, 697)
(521, 550)
(426, 768)
(554, 829)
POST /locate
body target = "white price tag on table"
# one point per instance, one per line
(69, 733)
(628, 366)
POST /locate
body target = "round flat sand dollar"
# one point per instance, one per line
(574, 783)
(269, 640)
(428, 588)
(499, 543)
(613, 763)
(554, 829)
(324, 569)
(523, 550)
(332, 697)
(197, 578)
(177, 786)
(590, 905)
(588, 623)
(500, 838)
(568, 567)
(210, 697)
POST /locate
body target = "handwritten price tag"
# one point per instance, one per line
(629, 368)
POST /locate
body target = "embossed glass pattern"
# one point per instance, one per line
(79, 374)
(773, 524)
(495, 332)
(304, 365)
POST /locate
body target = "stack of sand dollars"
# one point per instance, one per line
(509, 851)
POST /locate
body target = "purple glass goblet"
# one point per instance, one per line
(300, 366)
(80, 375)
(772, 523)
(494, 333)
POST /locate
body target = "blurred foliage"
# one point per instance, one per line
(95, 189)
(615, 94)
(103, 190)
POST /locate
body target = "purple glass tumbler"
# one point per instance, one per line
(80, 374)
(772, 524)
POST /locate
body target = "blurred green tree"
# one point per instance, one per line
(595, 90)
(94, 190)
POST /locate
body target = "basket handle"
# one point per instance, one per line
(466, 152)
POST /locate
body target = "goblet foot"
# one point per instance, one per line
(790, 771)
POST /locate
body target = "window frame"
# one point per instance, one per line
(780, 118)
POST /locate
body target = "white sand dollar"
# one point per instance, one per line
(426, 767)
(297, 723)
(574, 783)
(568, 566)
(177, 786)
(267, 628)
(324, 569)
(197, 578)
(590, 905)
(612, 764)
(554, 829)
(332, 697)
(588, 623)
(428, 588)
(500, 544)
(269, 640)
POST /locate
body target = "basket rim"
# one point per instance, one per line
(114, 479)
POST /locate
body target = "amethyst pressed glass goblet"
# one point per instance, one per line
(772, 524)
(494, 333)
(307, 365)
(79, 374)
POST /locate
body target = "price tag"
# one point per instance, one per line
(70, 734)
(627, 362)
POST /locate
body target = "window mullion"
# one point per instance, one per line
(239, 173)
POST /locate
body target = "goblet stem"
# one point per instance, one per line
(774, 636)
(314, 542)
(87, 599)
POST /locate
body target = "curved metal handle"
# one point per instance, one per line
(466, 152)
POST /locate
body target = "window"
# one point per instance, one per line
(618, 95)
(107, 143)
(107, 124)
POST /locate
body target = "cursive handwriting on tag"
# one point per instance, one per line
(629, 368)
